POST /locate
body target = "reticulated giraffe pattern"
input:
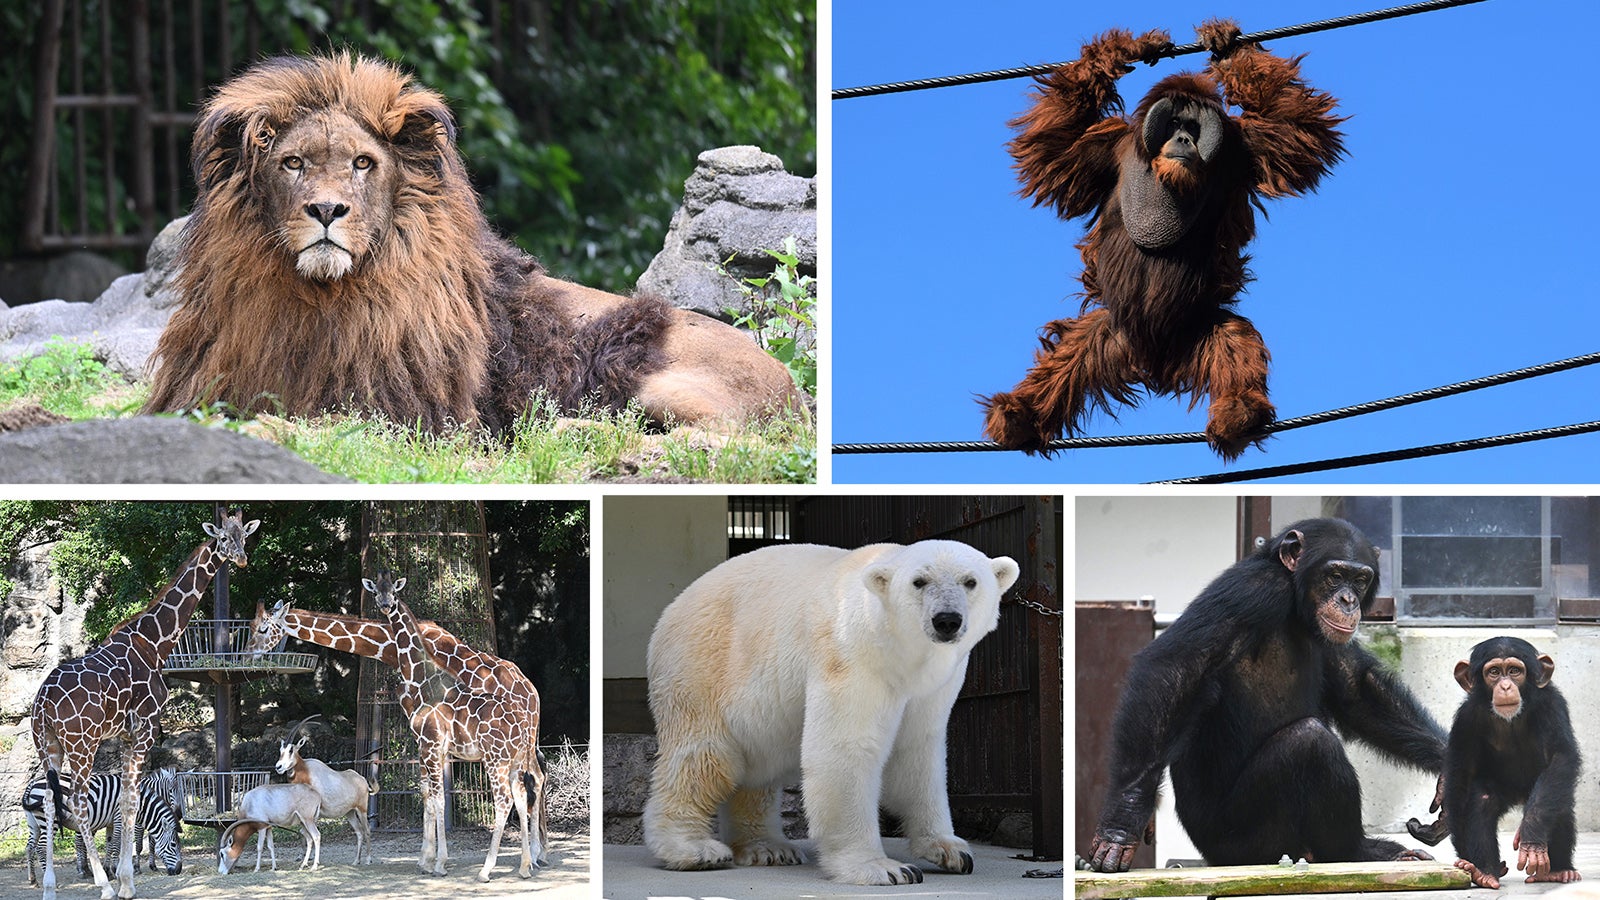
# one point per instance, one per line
(496, 729)
(116, 690)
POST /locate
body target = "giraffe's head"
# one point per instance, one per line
(268, 630)
(384, 589)
(230, 537)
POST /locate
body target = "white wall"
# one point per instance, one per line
(652, 548)
(1168, 548)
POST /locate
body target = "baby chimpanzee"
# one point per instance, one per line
(1511, 743)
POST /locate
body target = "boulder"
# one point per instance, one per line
(122, 325)
(148, 450)
(738, 204)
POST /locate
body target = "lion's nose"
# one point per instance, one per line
(326, 212)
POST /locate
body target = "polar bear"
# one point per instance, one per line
(840, 665)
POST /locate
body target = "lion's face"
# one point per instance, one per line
(331, 195)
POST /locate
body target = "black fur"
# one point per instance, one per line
(1241, 696)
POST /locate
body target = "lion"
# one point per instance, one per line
(337, 258)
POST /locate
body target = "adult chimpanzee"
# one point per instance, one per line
(1511, 743)
(1239, 697)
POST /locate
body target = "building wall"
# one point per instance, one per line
(653, 548)
(1168, 548)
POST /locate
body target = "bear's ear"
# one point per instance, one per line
(1005, 571)
(878, 578)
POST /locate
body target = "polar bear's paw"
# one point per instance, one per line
(877, 871)
(702, 854)
(950, 854)
(767, 852)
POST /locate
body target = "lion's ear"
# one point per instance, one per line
(422, 121)
(223, 140)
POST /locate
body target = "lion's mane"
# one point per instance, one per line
(441, 323)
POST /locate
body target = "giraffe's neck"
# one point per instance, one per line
(410, 657)
(164, 619)
(362, 637)
(477, 671)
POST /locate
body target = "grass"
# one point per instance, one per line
(66, 379)
(601, 446)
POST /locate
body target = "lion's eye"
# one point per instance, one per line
(293, 163)
(363, 162)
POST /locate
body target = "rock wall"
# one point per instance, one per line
(628, 759)
(38, 629)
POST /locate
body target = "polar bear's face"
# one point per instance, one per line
(948, 586)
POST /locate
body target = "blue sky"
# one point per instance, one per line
(1456, 240)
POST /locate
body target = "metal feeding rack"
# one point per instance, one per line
(211, 651)
(211, 799)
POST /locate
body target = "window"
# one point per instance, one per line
(1481, 560)
(755, 522)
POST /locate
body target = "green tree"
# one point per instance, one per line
(117, 555)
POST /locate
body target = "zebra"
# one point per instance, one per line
(159, 812)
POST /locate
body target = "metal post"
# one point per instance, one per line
(224, 701)
(41, 175)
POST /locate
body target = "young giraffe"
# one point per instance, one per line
(116, 689)
(465, 725)
(478, 673)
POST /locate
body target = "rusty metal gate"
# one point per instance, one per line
(1005, 749)
(116, 85)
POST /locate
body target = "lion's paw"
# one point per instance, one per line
(767, 852)
(948, 853)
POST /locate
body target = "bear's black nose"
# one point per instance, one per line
(947, 624)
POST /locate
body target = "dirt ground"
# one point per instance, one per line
(392, 876)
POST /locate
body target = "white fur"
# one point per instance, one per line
(825, 662)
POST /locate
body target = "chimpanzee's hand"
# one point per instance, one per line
(1112, 851)
(1533, 859)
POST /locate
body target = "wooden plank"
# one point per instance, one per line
(1321, 878)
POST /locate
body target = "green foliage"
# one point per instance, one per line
(780, 310)
(64, 377)
(117, 555)
(121, 554)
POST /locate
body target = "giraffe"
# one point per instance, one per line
(477, 673)
(116, 689)
(464, 725)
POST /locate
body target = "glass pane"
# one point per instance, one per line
(1465, 562)
(1470, 515)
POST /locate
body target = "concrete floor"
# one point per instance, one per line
(631, 873)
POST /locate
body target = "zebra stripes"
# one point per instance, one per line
(159, 812)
